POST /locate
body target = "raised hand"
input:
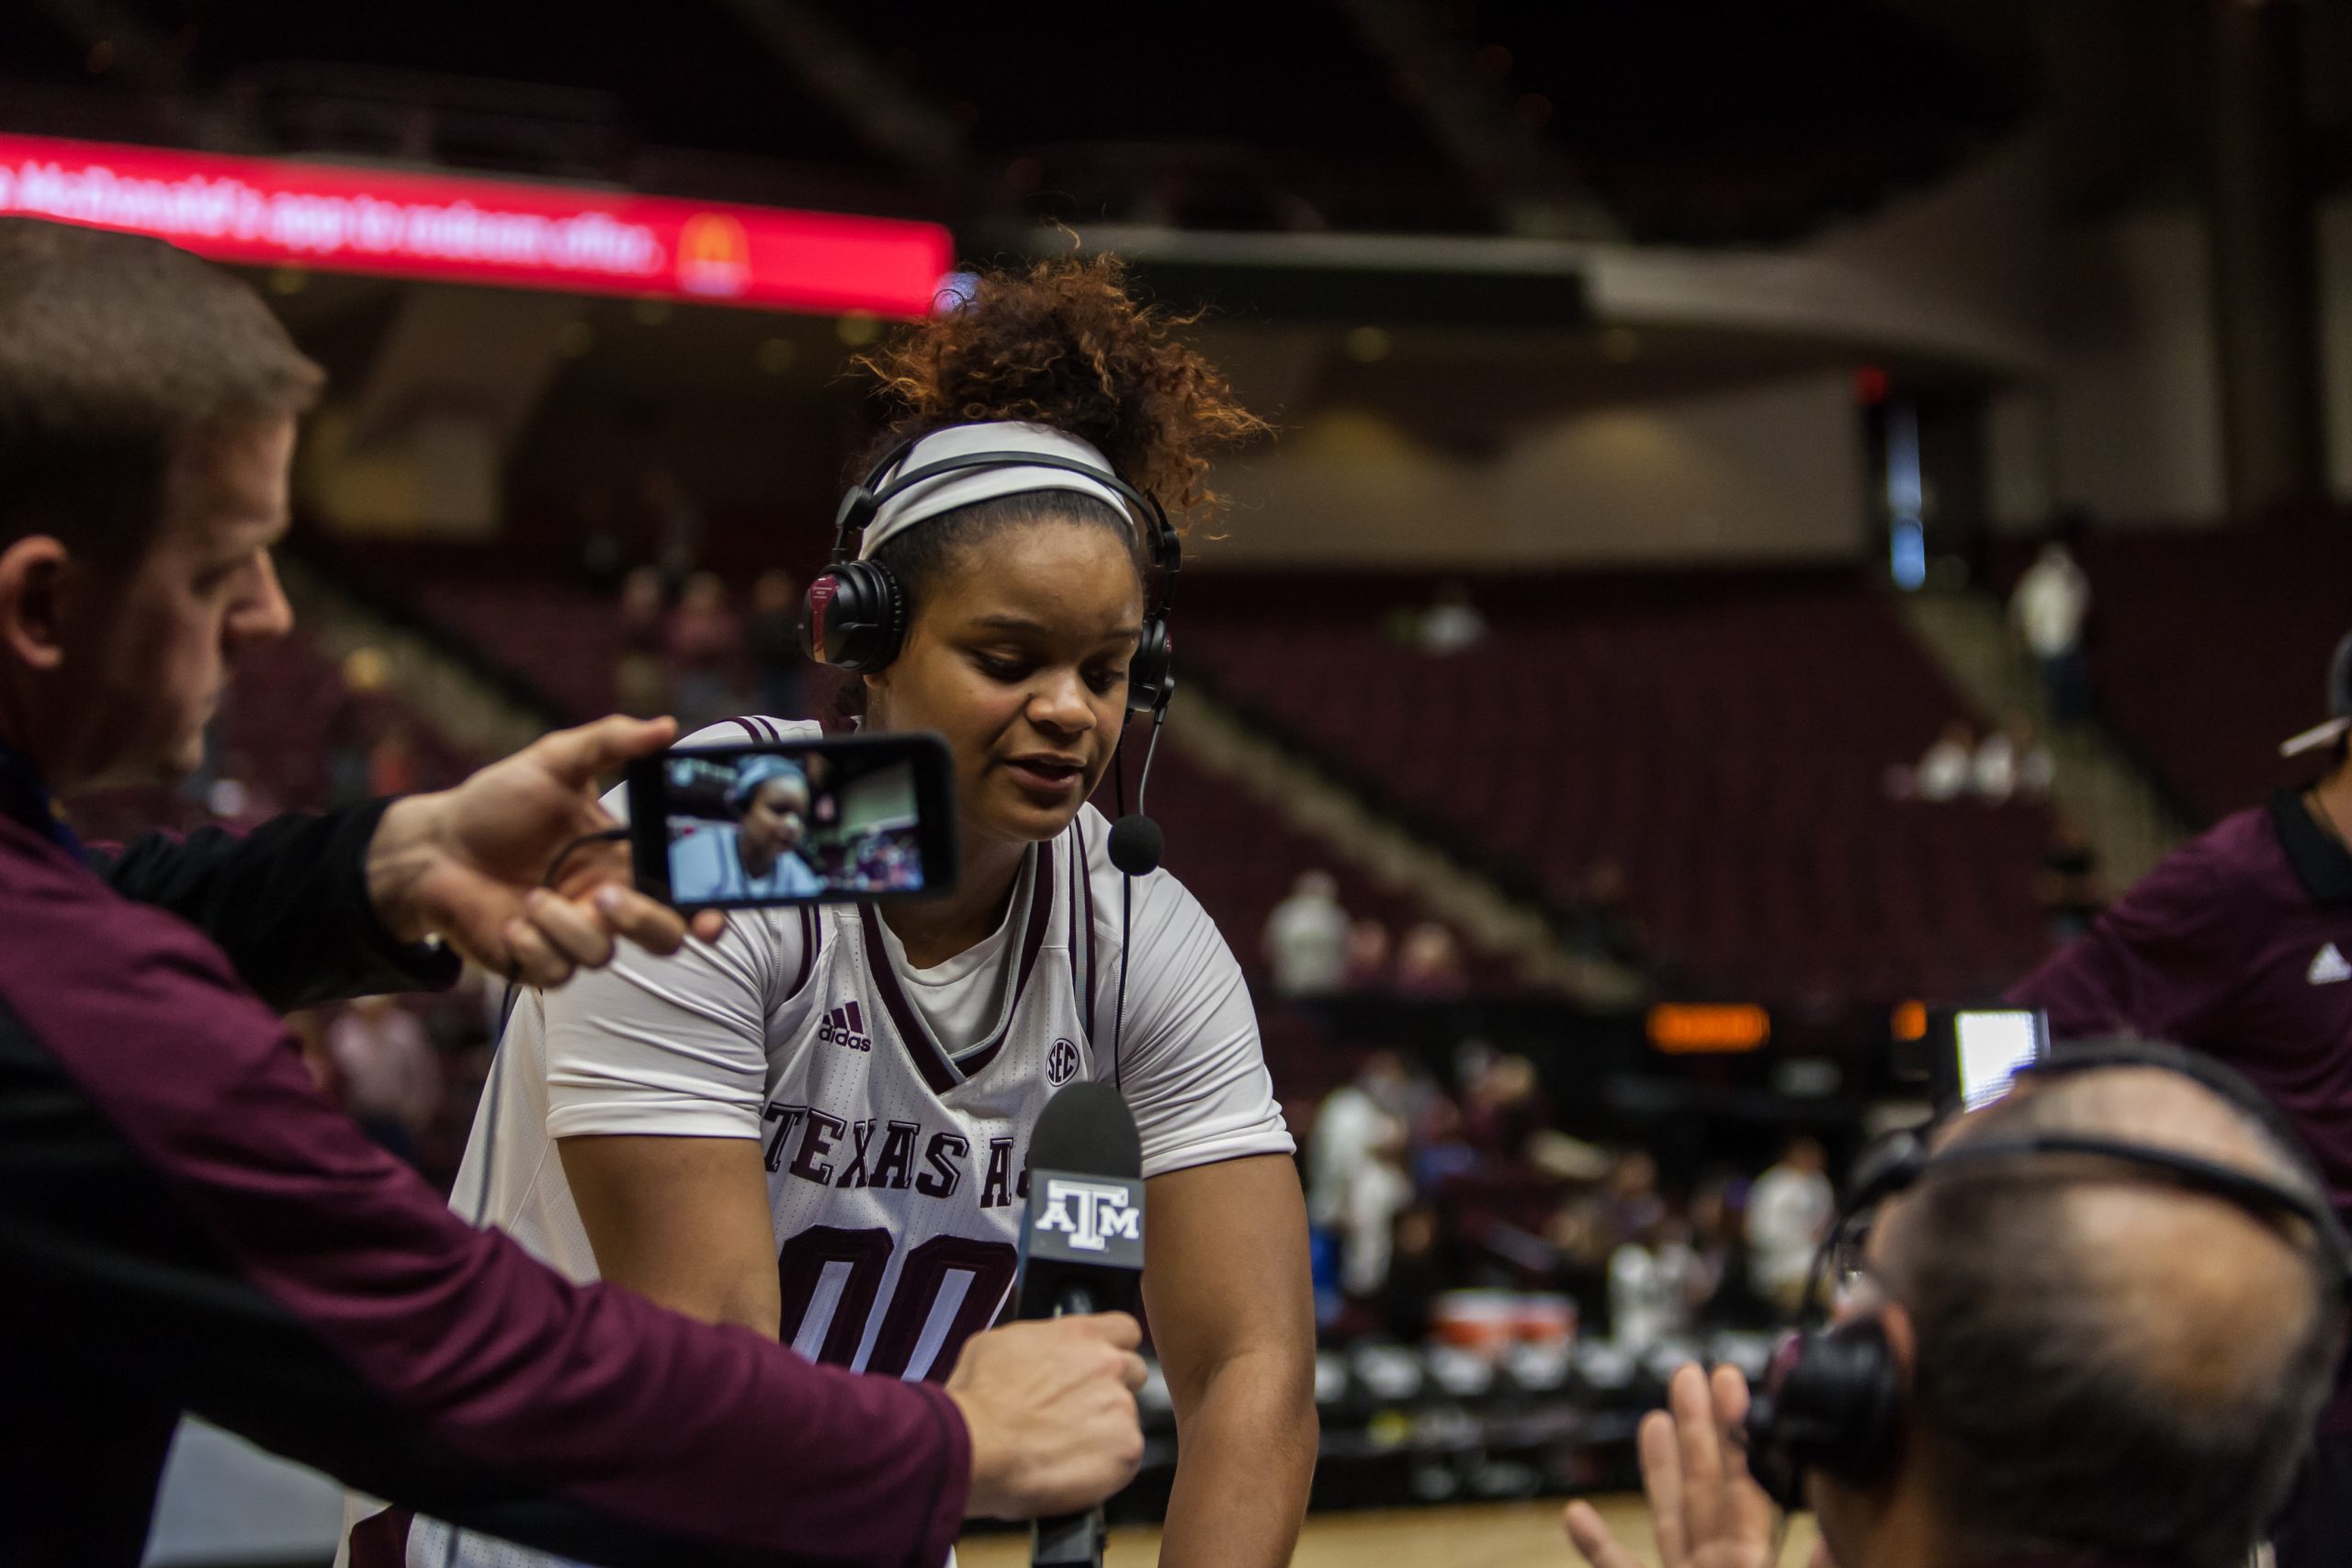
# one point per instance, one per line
(1704, 1509)
(466, 863)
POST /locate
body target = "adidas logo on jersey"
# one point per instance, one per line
(845, 1026)
(2328, 967)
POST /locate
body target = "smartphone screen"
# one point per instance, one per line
(1988, 1047)
(798, 822)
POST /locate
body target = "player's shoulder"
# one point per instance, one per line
(1160, 898)
(740, 730)
(754, 730)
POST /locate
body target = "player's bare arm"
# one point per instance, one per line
(1233, 1317)
(683, 1222)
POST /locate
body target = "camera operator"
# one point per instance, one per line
(185, 1224)
(2092, 1327)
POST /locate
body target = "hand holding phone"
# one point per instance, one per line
(850, 818)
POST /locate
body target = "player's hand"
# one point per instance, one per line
(466, 863)
(1705, 1510)
(1051, 1408)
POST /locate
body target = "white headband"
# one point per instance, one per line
(929, 498)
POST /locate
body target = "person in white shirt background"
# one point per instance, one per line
(816, 1126)
(2050, 604)
(756, 856)
(1307, 938)
(1790, 1211)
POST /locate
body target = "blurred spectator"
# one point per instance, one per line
(1380, 1191)
(1453, 624)
(2051, 601)
(1789, 1216)
(1429, 964)
(1946, 768)
(1598, 920)
(675, 522)
(1656, 1284)
(364, 715)
(705, 650)
(1368, 953)
(641, 681)
(1630, 1204)
(1357, 1182)
(2068, 886)
(1351, 1120)
(1719, 1242)
(1502, 1108)
(1307, 938)
(391, 1080)
(2012, 762)
(772, 634)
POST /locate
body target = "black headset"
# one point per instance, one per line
(1832, 1400)
(855, 613)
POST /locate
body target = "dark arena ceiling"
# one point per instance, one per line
(1712, 122)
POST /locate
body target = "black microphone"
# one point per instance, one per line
(1081, 1251)
(1135, 843)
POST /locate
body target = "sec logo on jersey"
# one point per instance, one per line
(1061, 1063)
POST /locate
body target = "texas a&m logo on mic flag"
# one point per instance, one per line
(1095, 1220)
(1092, 1213)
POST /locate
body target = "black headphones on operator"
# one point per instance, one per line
(1832, 1400)
(854, 616)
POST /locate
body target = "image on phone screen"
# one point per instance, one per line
(793, 823)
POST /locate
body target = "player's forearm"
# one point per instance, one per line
(1245, 1459)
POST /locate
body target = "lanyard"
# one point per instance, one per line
(25, 797)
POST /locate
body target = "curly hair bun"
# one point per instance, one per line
(1063, 343)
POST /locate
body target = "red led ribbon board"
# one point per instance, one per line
(274, 212)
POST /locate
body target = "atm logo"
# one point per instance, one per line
(845, 1026)
(1093, 1214)
(714, 255)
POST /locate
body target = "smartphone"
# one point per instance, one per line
(1975, 1052)
(849, 818)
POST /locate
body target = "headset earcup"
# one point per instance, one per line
(1151, 672)
(1831, 1402)
(854, 617)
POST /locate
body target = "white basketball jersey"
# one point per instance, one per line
(896, 1172)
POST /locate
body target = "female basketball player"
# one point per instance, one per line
(816, 1126)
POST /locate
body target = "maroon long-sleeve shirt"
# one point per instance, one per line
(186, 1225)
(2239, 943)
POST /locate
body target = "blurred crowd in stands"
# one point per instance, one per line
(1313, 948)
(1425, 1201)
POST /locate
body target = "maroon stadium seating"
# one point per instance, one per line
(1723, 737)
